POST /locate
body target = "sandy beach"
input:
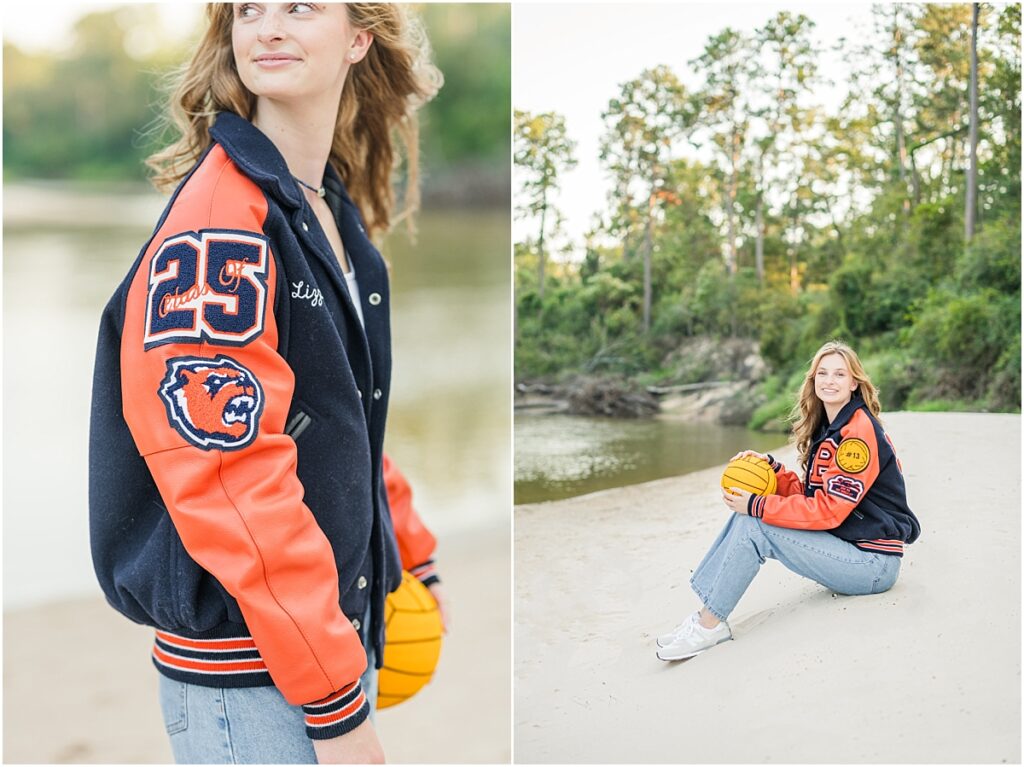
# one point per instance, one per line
(79, 686)
(928, 672)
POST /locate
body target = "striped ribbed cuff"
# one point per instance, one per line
(755, 506)
(884, 545)
(774, 463)
(337, 714)
(426, 573)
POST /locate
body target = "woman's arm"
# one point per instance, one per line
(206, 396)
(842, 486)
(415, 542)
(787, 482)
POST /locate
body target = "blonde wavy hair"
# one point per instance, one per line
(376, 123)
(808, 415)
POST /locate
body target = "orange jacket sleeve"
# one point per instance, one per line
(415, 542)
(846, 470)
(206, 396)
(787, 482)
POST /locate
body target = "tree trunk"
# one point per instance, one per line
(648, 247)
(901, 141)
(915, 180)
(972, 170)
(730, 257)
(540, 247)
(835, 224)
(759, 243)
(794, 271)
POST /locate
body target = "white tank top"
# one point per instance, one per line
(353, 290)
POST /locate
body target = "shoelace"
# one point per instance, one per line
(686, 627)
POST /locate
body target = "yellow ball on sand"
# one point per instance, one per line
(412, 642)
(750, 473)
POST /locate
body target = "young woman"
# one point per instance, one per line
(844, 525)
(238, 488)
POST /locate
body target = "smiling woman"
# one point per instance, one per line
(261, 553)
(844, 524)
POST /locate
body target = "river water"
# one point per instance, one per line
(560, 456)
(64, 252)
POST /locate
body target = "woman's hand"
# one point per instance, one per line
(360, 746)
(745, 453)
(443, 607)
(738, 500)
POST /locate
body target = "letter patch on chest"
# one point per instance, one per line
(847, 488)
(207, 286)
(822, 462)
(215, 404)
(853, 455)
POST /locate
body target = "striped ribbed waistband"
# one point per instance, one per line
(228, 662)
(235, 662)
(881, 545)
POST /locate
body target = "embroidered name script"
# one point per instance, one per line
(304, 292)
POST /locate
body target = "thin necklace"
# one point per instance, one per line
(320, 192)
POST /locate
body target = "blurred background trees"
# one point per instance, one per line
(88, 112)
(796, 225)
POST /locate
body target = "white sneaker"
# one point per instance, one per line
(666, 639)
(693, 639)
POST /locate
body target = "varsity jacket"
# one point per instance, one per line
(238, 489)
(853, 487)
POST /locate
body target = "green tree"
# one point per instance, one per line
(543, 151)
(641, 125)
(725, 111)
(784, 73)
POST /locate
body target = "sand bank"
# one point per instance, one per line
(79, 686)
(928, 672)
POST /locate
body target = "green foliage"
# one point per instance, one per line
(992, 258)
(782, 392)
(543, 151)
(872, 301)
(1003, 392)
(78, 116)
(86, 114)
(894, 376)
(468, 121)
(795, 327)
(856, 217)
(963, 337)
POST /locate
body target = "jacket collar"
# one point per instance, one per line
(251, 150)
(843, 416)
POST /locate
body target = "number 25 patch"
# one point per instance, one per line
(207, 286)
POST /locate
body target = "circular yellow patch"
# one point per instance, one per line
(853, 455)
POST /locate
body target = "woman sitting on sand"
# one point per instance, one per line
(844, 526)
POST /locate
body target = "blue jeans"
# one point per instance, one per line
(241, 725)
(745, 543)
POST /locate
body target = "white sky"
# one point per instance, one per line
(47, 26)
(572, 58)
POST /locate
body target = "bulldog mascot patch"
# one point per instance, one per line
(212, 403)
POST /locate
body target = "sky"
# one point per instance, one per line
(572, 58)
(24, 24)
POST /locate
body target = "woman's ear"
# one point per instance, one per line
(360, 46)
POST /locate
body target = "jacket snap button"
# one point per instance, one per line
(376, 393)
(305, 226)
(361, 583)
(360, 393)
(374, 298)
(356, 624)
